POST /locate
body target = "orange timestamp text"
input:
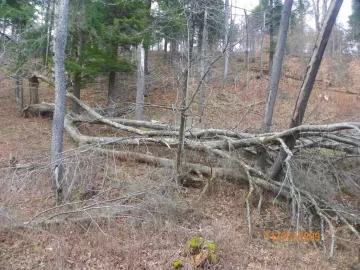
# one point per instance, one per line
(293, 236)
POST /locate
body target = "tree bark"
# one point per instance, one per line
(140, 82)
(271, 33)
(275, 76)
(80, 52)
(308, 83)
(19, 91)
(147, 46)
(203, 66)
(60, 101)
(277, 67)
(226, 40)
(165, 47)
(111, 91)
(34, 90)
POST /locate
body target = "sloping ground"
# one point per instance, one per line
(154, 243)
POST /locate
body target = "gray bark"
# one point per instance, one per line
(278, 63)
(80, 49)
(271, 33)
(203, 66)
(308, 83)
(34, 89)
(275, 75)
(60, 100)
(19, 91)
(262, 47)
(140, 82)
(226, 40)
(111, 90)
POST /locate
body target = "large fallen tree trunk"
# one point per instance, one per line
(225, 145)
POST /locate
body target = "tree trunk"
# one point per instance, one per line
(146, 47)
(47, 25)
(277, 67)
(140, 83)
(203, 66)
(308, 83)
(111, 91)
(179, 154)
(247, 47)
(316, 7)
(271, 33)
(226, 40)
(34, 90)
(60, 100)
(165, 47)
(80, 52)
(262, 48)
(275, 76)
(76, 91)
(19, 91)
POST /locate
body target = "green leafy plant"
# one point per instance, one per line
(177, 264)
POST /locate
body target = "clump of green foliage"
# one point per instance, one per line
(177, 264)
(197, 245)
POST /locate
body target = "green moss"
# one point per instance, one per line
(276, 201)
(177, 264)
(345, 190)
(212, 248)
(194, 245)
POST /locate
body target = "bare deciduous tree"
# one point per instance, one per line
(140, 82)
(308, 83)
(226, 39)
(60, 99)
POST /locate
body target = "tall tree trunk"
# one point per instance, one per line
(271, 33)
(60, 101)
(19, 91)
(179, 154)
(34, 90)
(111, 91)
(262, 48)
(226, 40)
(140, 83)
(146, 45)
(47, 25)
(308, 83)
(275, 75)
(278, 63)
(76, 91)
(80, 56)
(247, 60)
(203, 66)
(165, 47)
(316, 8)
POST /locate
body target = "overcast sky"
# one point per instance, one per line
(343, 17)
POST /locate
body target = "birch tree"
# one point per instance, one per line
(140, 82)
(60, 99)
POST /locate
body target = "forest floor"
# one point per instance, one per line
(154, 243)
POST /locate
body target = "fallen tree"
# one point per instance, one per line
(227, 145)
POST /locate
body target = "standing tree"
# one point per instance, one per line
(140, 82)
(60, 100)
(276, 74)
(308, 82)
(354, 22)
(226, 40)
